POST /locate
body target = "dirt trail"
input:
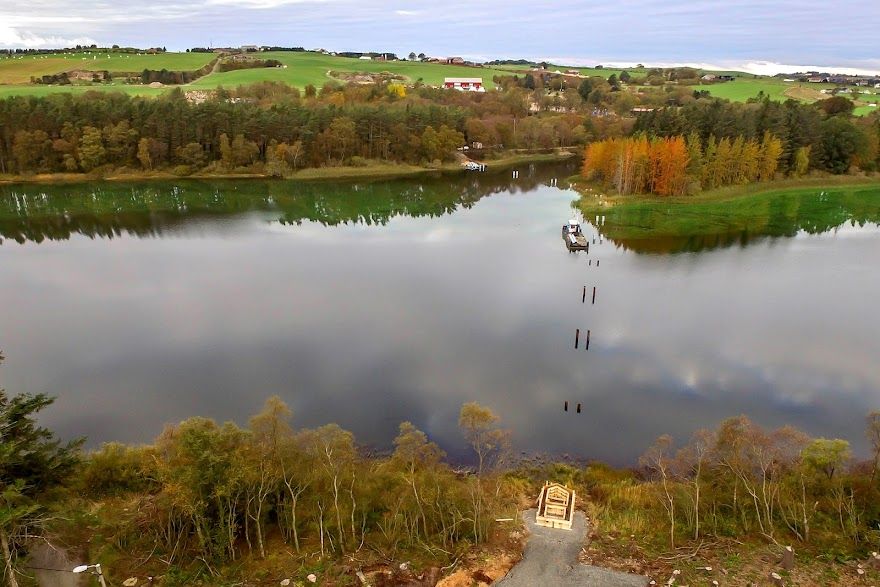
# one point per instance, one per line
(551, 558)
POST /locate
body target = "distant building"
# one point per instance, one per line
(464, 84)
(249, 48)
(640, 109)
(708, 77)
(817, 80)
(365, 58)
(455, 61)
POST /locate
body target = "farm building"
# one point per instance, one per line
(454, 61)
(365, 58)
(464, 84)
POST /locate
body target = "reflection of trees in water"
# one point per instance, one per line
(37, 213)
(664, 228)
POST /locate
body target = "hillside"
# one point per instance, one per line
(309, 68)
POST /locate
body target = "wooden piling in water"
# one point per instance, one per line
(566, 405)
(594, 294)
(584, 297)
(587, 347)
(577, 335)
(579, 408)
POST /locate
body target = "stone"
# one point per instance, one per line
(130, 582)
(285, 582)
(312, 578)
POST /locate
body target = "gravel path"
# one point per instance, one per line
(551, 558)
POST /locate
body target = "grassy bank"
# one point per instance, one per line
(370, 170)
(732, 215)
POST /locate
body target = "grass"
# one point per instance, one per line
(735, 215)
(19, 69)
(40, 91)
(743, 88)
(305, 68)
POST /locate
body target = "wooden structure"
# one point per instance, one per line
(555, 506)
(574, 237)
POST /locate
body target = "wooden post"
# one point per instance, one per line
(588, 341)
(597, 262)
(584, 297)
(579, 408)
(776, 578)
(566, 405)
(591, 262)
(787, 561)
(577, 335)
(594, 294)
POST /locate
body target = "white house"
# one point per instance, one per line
(464, 84)
(365, 58)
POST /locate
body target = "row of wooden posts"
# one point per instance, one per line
(577, 333)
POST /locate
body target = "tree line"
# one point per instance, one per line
(782, 485)
(266, 128)
(218, 493)
(823, 136)
(671, 166)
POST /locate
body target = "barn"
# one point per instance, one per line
(464, 84)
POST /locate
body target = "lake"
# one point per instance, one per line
(367, 304)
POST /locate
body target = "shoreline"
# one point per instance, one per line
(309, 174)
(591, 190)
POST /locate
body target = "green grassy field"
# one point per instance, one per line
(743, 88)
(19, 69)
(312, 68)
(22, 90)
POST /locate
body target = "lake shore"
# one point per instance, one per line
(728, 193)
(372, 170)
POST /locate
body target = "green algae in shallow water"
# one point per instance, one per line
(657, 226)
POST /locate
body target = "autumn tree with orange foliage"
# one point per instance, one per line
(674, 166)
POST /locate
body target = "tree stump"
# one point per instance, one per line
(787, 562)
(776, 579)
(874, 560)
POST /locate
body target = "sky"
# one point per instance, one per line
(762, 36)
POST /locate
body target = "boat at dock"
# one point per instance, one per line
(574, 237)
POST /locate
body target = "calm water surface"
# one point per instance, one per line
(368, 304)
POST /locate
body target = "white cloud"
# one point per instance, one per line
(407, 12)
(12, 37)
(257, 3)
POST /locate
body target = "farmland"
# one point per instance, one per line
(20, 69)
(313, 68)
(308, 68)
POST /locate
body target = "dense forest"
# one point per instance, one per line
(212, 501)
(268, 128)
(710, 144)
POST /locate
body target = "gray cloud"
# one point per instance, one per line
(780, 31)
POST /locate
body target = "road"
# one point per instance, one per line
(551, 558)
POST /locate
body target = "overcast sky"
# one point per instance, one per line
(755, 34)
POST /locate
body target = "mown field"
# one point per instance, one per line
(313, 68)
(20, 69)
